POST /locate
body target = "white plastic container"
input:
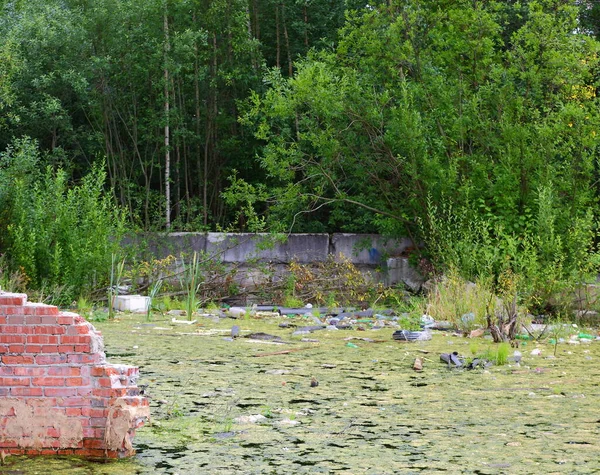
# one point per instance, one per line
(131, 303)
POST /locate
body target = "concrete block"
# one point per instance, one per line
(367, 249)
(400, 271)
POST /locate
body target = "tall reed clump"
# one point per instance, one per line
(116, 273)
(154, 290)
(192, 280)
(464, 304)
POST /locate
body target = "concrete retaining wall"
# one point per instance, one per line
(384, 259)
(361, 249)
(58, 395)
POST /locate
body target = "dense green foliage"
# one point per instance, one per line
(471, 126)
(60, 238)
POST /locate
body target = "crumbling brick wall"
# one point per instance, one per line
(57, 393)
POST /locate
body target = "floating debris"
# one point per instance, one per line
(406, 335)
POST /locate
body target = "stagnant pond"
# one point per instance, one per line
(335, 405)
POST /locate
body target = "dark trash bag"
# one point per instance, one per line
(452, 359)
(405, 335)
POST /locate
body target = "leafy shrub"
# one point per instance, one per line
(59, 235)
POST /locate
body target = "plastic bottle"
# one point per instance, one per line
(586, 336)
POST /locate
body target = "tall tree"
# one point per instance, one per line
(425, 103)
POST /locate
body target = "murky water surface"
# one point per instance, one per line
(369, 414)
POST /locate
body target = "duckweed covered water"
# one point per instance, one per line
(369, 414)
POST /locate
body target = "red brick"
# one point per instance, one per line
(98, 453)
(8, 371)
(26, 391)
(98, 371)
(50, 330)
(47, 452)
(65, 320)
(93, 443)
(14, 381)
(73, 411)
(29, 371)
(16, 329)
(84, 359)
(98, 412)
(18, 319)
(51, 359)
(43, 339)
(75, 401)
(13, 339)
(33, 348)
(73, 381)
(86, 390)
(2, 319)
(49, 348)
(48, 381)
(64, 371)
(66, 348)
(16, 348)
(13, 299)
(42, 309)
(104, 382)
(67, 452)
(60, 392)
(11, 310)
(17, 359)
(102, 392)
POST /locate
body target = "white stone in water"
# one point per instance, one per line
(252, 419)
(236, 312)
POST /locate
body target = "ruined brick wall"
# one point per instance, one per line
(57, 393)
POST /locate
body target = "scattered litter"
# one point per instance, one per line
(536, 352)
(263, 336)
(177, 313)
(253, 419)
(235, 312)
(406, 335)
(351, 345)
(479, 363)
(452, 359)
(313, 382)
(418, 364)
(310, 328)
(266, 314)
(369, 340)
(183, 322)
(301, 332)
(476, 333)
(288, 422)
